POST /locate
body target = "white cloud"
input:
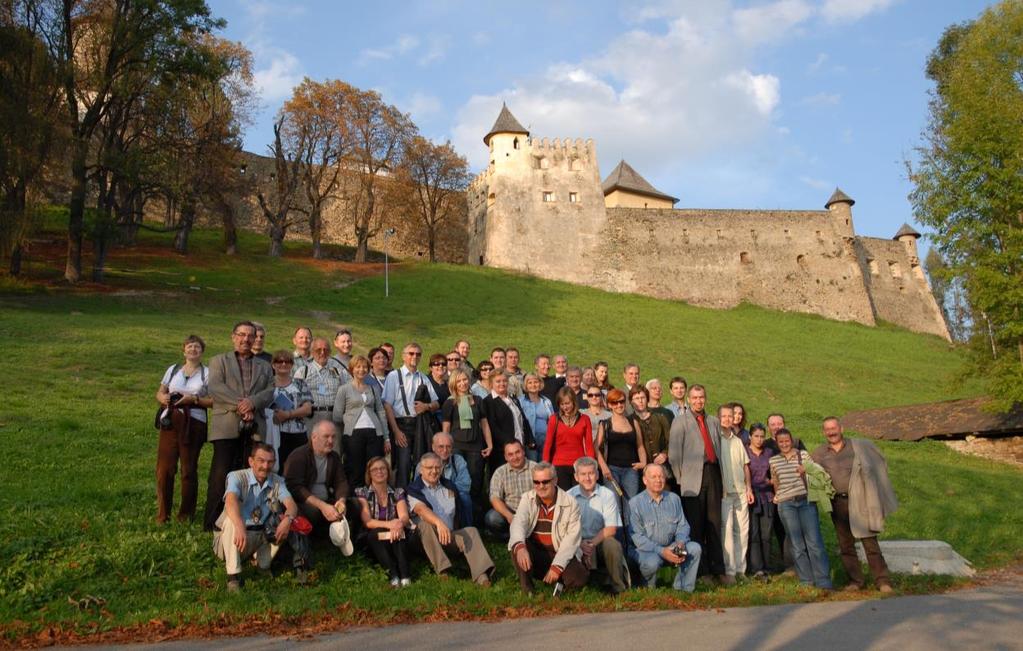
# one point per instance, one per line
(835, 11)
(403, 45)
(276, 80)
(771, 21)
(435, 50)
(816, 184)
(818, 63)
(821, 99)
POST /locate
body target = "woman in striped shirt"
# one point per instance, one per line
(798, 514)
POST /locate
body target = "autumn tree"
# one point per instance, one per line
(969, 184)
(379, 133)
(278, 198)
(437, 177)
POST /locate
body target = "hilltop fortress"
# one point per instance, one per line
(540, 207)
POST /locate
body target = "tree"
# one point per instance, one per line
(280, 200)
(315, 115)
(969, 184)
(438, 176)
(379, 133)
(950, 296)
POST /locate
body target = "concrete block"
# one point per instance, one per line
(922, 557)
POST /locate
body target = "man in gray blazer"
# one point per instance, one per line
(241, 386)
(694, 447)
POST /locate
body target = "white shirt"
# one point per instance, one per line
(517, 413)
(187, 385)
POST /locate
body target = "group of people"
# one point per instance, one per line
(585, 481)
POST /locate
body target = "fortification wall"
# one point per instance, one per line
(897, 286)
(788, 260)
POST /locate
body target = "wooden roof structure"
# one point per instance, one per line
(949, 419)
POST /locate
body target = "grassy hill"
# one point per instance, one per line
(83, 556)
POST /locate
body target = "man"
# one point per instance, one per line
(776, 422)
(455, 470)
(631, 376)
(241, 387)
(737, 495)
(551, 384)
(574, 381)
(316, 479)
(251, 497)
(497, 358)
(678, 388)
(653, 386)
(515, 374)
(600, 520)
(454, 362)
(863, 499)
(545, 535)
(507, 485)
(259, 343)
(303, 341)
(660, 533)
(560, 366)
(407, 394)
(505, 417)
(343, 343)
(434, 502)
(694, 447)
(388, 348)
(463, 348)
(324, 375)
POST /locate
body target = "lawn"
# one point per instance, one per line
(84, 558)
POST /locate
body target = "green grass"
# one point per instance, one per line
(76, 512)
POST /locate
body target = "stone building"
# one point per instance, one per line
(540, 207)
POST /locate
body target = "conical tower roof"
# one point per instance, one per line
(623, 177)
(839, 197)
(906, 230)
(505, 123)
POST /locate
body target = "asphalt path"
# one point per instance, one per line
(988, 617)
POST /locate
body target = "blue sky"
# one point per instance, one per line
(725, 104)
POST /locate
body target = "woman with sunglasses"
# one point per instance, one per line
(621, 443)
(439, 379)
(569, 436)
(537, 409)
(385, 516)
(595, 411)
(292, 403)
(481, 389)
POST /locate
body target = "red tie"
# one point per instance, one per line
(708, 447)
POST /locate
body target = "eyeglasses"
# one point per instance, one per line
(542, 482)
(454, 359)
(289, 362)
(437, 364)
(615, 402)
(594, 395)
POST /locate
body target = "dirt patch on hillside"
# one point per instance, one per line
(1007, 450)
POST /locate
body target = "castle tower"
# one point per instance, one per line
(840, 205)
(908, 237)
(624, 187)
(507, 139)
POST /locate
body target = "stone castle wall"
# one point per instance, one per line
(897, 286)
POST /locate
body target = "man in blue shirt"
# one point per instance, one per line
(600, 517)
(660, 533)
(251, 496)
(401, 388)
(455, 470)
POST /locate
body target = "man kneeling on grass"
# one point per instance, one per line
(252, 523)
(545, 535)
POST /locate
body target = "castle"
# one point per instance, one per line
(540, 207)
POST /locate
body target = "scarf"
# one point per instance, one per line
(464, 412)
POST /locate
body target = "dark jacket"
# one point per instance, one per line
(551, 386)
(300, 475)
(417, 490)
(502, 424)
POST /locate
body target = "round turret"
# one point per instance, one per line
(840, 205)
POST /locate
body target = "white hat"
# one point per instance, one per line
(341, 538)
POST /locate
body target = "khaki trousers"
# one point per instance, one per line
(255, 544)
(734, 532)
(465, 541)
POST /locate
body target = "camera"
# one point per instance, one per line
(246, 428)
(680, 551)
(165, 421)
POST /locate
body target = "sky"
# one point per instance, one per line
(724, 104)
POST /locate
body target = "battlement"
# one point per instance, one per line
(567, 149)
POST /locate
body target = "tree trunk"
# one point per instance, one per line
(16, 254)
(230, 229)
(361, 243)
(431, 236)
(76, 213)
(99, 256)
(276, 241)
(169, 213)
(185, 226)
(316, 232)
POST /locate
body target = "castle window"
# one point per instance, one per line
(719, 234)
(787, 233)
(872, 263)
(801, 261)
(548, 197)
(753, 233)
(895, 269)
(744, 258)
(573, 197)
(818, 235)
(515, 144)
(490, 199)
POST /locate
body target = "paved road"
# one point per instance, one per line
(983, 618)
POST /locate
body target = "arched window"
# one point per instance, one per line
(515, 143)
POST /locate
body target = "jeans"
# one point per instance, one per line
(496, 524)
(627, 478)
(650, 562)
(803, 528)
(760, 526)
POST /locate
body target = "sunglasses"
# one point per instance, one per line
(437, 364)
(454, 359)
(616, 402)
(594, 395)
(542, 482)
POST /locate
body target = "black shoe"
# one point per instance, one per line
(234, 582)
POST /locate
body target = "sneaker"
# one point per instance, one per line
(234, 583)
(406, 583)
(395, 582)
(885, 588)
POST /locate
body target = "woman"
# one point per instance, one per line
(378, 369)
(537, 410)
(621, 444)
(385, 516)
(481, 389)
(596, 411)
(569, 437)
(589, 378)
(285, 415)
(462, 417)
(439, 379)
(656, 392)
(652, 425)
(182, 430)
(761, 513)
(797, 513)
(359, 409)
(506, 419)
(739, 422)
(600, 370)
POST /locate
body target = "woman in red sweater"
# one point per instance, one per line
(569, 436)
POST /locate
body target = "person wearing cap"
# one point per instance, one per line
(316, 478)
